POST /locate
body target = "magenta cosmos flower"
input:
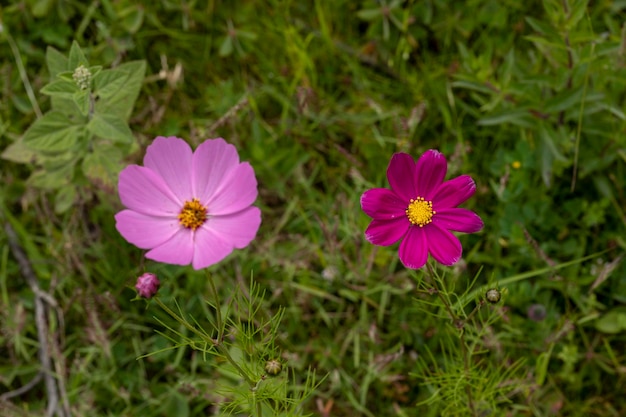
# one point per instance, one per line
(421, 209)
(189, 207)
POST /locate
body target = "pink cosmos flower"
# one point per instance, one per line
(421, 209)
(189, 207)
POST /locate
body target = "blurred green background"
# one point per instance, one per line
(526, 97)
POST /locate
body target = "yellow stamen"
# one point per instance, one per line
(420, 212)
(193, 214)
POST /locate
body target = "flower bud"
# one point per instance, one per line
(273, 367)
(82, 77)
(492, 295)
(147, 285)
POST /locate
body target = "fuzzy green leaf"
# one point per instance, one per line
(82, 99)
(109, 82)
(109, 126)
(77, 57)
(119, 101)
(60, 88)
(54, 132)
(57, 62)
(103, 165)
(18, 152)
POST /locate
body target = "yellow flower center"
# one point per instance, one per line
(420, 212)
(193, 214)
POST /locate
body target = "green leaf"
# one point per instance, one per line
(226, 48)
(41, 7)
(109, 126)
(57, 62)
(54, 132)
(103, 165)
(65, 198)
(56, 173)
(369, 14)
(18, 152)
(612, 322)
(109, 82)
(564, 100)
(60, 88)
(578, 10)
(76, 58)
(519, 117)
(121, 101)
(82, 99)
(132, 18)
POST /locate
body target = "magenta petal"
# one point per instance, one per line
(212, 162)
(459, 220)
(413, 249)
(431, 169)
(386, 232)
(401, 175)
(171, 159)
(237, 191)
(144, 191)
(443, 245)
(145, 231)
(454, 192)
(178, 250)
(383, 204)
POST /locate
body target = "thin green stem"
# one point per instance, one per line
(224, 351)
(218, 310)
(439, 288)
(23, 74)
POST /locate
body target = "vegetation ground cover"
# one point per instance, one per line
(528, 98)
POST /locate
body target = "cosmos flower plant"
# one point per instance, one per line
(189, 207)
(421, 210)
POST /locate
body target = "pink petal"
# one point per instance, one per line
(458, 220)
(171, 159)
(239, 229)
(443, 245)
(454, 192)
(144, 191)
(221, 234)
(401, 175)
(212, 162)
(386, 232)
(431, 170)
(383, 204)
(237, 191)
(178, 250)
(210, 249)
(413, 250)
(145, 231)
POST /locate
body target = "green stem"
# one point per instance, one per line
(218, 310)
(224, 350)
(459, 324)
(23, 74)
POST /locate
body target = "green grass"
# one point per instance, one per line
(527, 98)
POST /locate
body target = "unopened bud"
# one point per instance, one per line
(82, 77)
(493, 296)
(273, 367)
(147, 285)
